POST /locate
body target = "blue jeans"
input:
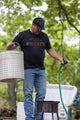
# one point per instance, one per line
(33, 77)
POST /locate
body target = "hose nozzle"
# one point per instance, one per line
(65, 62)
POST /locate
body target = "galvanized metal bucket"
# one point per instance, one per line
(11, 66)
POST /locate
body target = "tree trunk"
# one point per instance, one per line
(12, 87)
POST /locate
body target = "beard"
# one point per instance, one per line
(36, 32)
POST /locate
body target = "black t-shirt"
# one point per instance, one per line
(33, 47)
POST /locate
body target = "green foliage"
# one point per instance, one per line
(20, 96)
(3, 41)
(3, 95)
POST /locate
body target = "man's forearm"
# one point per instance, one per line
(54, 54)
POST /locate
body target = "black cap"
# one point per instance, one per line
(39, 22)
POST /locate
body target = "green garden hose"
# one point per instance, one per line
(61, 94)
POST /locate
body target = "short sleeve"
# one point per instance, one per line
(18, 38)
(48, 45)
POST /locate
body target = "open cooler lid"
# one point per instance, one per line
(68, 93)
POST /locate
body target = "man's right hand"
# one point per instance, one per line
(10, 46)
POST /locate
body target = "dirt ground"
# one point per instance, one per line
(7, 112)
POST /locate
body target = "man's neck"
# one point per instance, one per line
(31, 30)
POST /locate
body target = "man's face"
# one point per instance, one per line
(35, 30)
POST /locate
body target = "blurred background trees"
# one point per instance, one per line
(62, 23)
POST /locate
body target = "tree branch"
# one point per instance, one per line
(65, 12)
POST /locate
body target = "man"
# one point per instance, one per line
(33, 43)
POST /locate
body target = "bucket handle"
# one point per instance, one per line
(18, 45)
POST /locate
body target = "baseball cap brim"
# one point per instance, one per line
(41, 28)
